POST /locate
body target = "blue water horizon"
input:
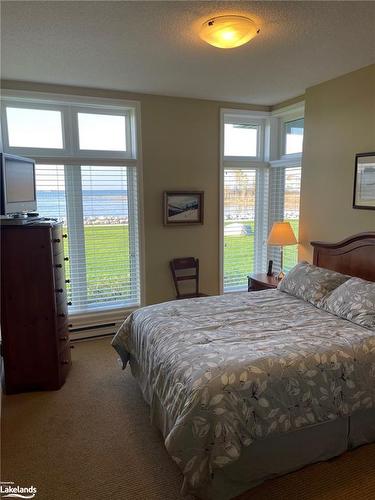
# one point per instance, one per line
(96, 203)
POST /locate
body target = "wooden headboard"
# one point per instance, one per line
(354, 256)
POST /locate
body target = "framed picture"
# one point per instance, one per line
(183, 207)
(364, 181)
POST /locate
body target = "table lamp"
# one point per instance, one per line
(281, 235)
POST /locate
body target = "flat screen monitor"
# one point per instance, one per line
(17, 184)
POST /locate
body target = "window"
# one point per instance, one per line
(292, 191)
(241, 139)
(101, 132)
(284, 203)
(94, 203)
(95, 196)
(34, 128)
(244, 183)
(260, 185)
(239, 226)
(293, 136)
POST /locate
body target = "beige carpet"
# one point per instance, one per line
(93, 440)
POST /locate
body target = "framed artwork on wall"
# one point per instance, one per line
(364, 181)
(183, 207)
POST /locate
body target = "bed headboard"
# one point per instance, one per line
(354, 256)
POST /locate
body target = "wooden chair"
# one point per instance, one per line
(180, 268)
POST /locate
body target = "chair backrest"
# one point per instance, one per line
(180, 268)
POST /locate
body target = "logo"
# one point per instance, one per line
(9, 490)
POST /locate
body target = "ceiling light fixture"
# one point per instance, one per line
(227, 32)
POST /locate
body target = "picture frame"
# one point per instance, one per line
(364, 181)
(183, 207)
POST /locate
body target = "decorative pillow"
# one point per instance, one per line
(311, 283)
(355, 301)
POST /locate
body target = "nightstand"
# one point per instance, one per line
(261, 281)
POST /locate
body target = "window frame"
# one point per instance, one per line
(69, 109)
(240, 117)
(284, 123)
(271, 155)
(89, 153)
(31, 151)
(259, 118)
(71, 155)
(283, 116)
(279, 166)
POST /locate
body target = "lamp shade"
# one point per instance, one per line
(281, 234)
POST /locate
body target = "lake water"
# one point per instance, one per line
(99, 203)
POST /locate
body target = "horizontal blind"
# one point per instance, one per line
(99, 207)
(285, 185)
(51, 202)
(239, 227)
(292, 193)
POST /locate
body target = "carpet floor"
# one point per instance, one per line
(93, 440)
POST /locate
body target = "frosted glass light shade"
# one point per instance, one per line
(281, 234)
(227, 32)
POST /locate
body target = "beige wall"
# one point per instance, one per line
(180, 142)
(339, 122)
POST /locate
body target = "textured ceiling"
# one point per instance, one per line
(154, 47)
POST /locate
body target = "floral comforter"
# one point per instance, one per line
(226, 371)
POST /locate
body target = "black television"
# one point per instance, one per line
(18, 194)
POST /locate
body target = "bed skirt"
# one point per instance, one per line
(273, 456)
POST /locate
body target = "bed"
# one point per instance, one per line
(248, 386)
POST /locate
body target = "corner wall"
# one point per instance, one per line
(339, 122)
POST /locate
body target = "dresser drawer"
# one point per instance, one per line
(61, 296)
(63, 339)
(58, 240)
(59, 263)
(62, 322)
(61, 309)
(58, 270)
(64, 363)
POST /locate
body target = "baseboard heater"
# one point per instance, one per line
(88, 332)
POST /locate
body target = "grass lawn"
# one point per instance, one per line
(107, 262)
(107, 249)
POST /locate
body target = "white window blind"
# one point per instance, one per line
(239, 226)
(98, 205)
(292, 193)
(285, 186)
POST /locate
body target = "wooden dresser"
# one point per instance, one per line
(34, 313)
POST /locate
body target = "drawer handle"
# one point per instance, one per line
(67, 281)
(59, 290)
(65, 235)
(58, 265)
(64, 362)
(64, 338)
(69, 303)
(66, 258)
(56, 240)
(61, 315)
